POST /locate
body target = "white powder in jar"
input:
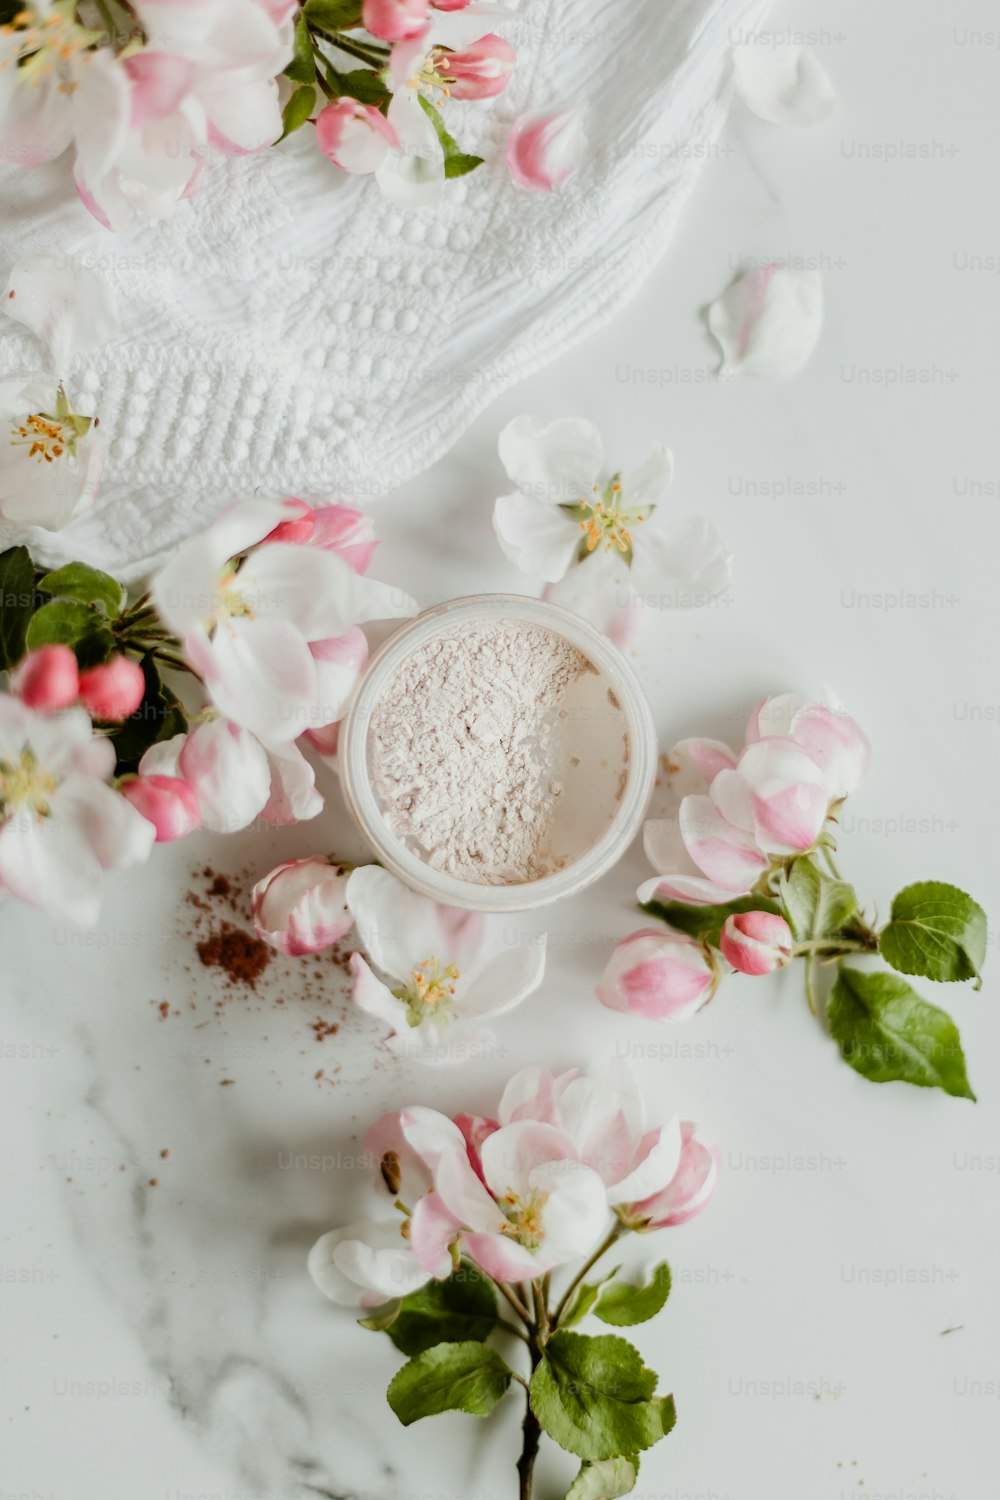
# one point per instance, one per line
(466, 744)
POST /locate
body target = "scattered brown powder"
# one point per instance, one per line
(242, 957)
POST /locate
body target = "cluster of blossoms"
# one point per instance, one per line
(264, 608)
(567, 1164)
(145, 91)
(433, 975)
(741, 818)
(602, 542)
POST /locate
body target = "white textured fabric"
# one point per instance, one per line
(290, 332)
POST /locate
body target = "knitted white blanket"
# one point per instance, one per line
(292, 333)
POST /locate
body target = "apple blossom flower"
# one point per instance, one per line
(301, 906)
(47, 679)
(370, 1262)
(51, 464)
(738, 813)
(249, 611)
(756, 942)
(545, 148)
(535, 1207)
(55, 87)
(685, 1195)
(600, 543)
(206, 78)
(356, 137)
(826, 733)
(226, 767)
(167, 803)
(601, 1112)
(395, 20)
(661, 976)
(61, 824)
(449, 57)
(444, 973)
(113, 690)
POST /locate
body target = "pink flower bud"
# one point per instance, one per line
(47, 679)
(356, 137)
(662, 976)
(687, 1192)
(544, 148)
(757, 942)
(395, 20)
(166, 802)
(301, 906)
(113, 691)
(480, 71)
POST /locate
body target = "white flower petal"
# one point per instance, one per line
(373, 997)
(413, 175)
(504, 982)
(592, 589)
(265, 678)
(66, 305)
(538, 539)
(783, 85)
(768, 321)
(682, 564)
(649, 484)
(554, 464)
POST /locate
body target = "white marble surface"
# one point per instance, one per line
(162, 1343)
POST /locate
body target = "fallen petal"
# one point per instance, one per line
(768, 321)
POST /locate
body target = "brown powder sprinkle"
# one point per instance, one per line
(323, 1029)
(242, 957)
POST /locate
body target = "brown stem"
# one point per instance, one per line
(531, 1432)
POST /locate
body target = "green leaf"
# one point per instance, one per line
(467, 1377)
(67, 622)
(705, 922)
(298, 109)
(584, 1300)
(814, 904)
(17, 600)
(364, 84)
(382, 1319)
(623, 1304)
(456, 161)
(605, 1480)
(158, 717)
(89, 585)
(462, 1308)
(935, 930)
(302, 68)
(594, 1397)
(888, 1033)
(333, 15)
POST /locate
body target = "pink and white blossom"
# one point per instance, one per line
(445, 971)
(536, 1205)
(603, 1115)
(113, 690)
(205, 80)
(423, 72)
(301, 906)
(685, 1195)
(545, 147)
(167, 803)
(829, 735)
(602, 543)
(226, 767)
(61, 824)
(659, 975)
(47, 679)
(249, 613)
(356, 137)
(756, 942)
(51, 465)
